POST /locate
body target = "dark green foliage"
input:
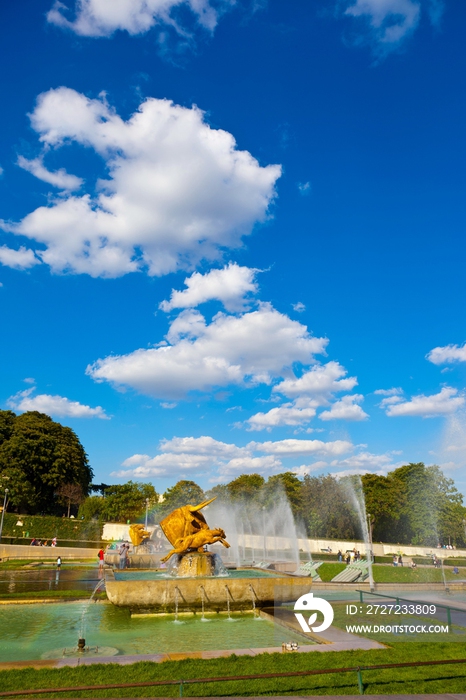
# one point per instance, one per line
(92, 508)
(124, 502)
(385, 502)
(291, 486)
(45, 527)
(37, 456)
(247, 487)
(328, 511)
(181, 494)
(431, 510)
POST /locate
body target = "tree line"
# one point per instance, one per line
(46, 470)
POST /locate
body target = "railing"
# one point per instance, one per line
(397, 598)
(256, 676)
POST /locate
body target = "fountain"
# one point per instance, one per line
(356, 493)
(177, 589)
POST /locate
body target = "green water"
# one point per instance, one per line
(30, 631)
(147, 575)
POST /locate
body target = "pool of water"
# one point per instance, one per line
(32, 631)
(147, 575)
(39, 579)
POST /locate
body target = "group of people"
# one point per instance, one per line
(124, 555)
(397, 560)
(39, 543)
(350, 556)
(445, 546)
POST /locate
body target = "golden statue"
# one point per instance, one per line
(197, 541)
(138, 534)
(186, 529)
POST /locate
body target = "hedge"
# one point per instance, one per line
(48, 526)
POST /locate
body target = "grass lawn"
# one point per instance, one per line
(395, 574)
(430, 679)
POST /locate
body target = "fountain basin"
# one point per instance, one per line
(165, 594)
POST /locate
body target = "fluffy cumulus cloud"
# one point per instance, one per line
(319, 383)
(54, 405)
(299, 448)
(204, 445)
(448, 400)
(20, 259)
(346, 408)
(387, 23)
(222, 461)
(98, 18)
(178, 191)
(314, 388)
(286, 414)
(447, 354)
(243, 350)
(229, 285)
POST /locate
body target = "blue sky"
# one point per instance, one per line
(233, 233)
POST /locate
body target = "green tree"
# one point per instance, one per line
(385, 502)
(433, 509)
(37, 456)
(183, 493)
(247, 488)
(124, 502)
(92, 508)
(328, 510)
(292, 487)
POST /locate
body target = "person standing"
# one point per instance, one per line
(101, 557)
(122, 553)
(58, 563)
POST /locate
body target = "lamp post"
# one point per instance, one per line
(3, 514)
(147, 510)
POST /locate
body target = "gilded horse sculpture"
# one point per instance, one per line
(197, 541)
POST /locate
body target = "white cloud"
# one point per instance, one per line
(299, 307)
(229, 285)
(164, 404)
(319, 383)
(346, 409)
(366, 462)
(389, 392)
(296, 448)
(446, 401)
(204, 445)
(178, 191)
(54, 405)
(287, 414)
(253, 465)
(390, 22)
(98, 18)
(59, 178)
(250, 349)
(163, 465)
(17, 259)
(183, 455)
(447, 354)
